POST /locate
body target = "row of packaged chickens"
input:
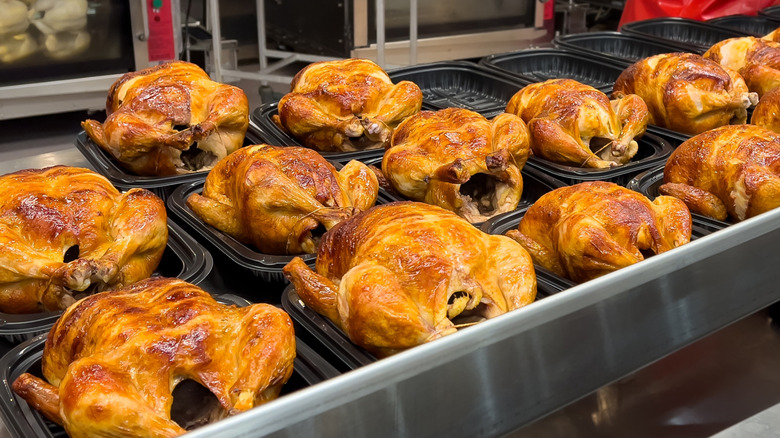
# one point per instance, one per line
(391, 276)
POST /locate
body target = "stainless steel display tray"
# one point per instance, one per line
(511, 370)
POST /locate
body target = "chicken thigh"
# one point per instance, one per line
(157, 115)
(345, 105)
(730, 171)
(275, 197)
(460, 161)
(756, 60)
(65, 232)
(575, 124)
(112, 360)
(591, 229)
(397, 275)
(686, 92)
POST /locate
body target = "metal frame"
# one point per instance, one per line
(504, 373)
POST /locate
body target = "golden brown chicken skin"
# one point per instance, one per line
(773, 36)
(112, 360)
(171, 119)
(756, 60)
(66, 231)
(397, 275)
(767, 113)
(460, 161)
(345, 105)
(687, 93)
(730, 171)
(575, 124)
(273, 197)
(591, 229)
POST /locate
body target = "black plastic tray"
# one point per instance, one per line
(752, 25)
(353, 356)
(653, 150)
(539, 65)
(24, 422)
(615, 47)
(266, 266)
(122, 179)
(772, 12)
(647, 183)
(184, 258)
(696, 35)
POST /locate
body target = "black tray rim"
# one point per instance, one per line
(699, 48)
(566, 42)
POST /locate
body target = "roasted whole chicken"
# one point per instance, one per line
(171, 119)
(398, 275)
(767, 112)
(112, 360)
(575, 124)
(66, 232)
(276, 198)
(460, 161)
(686, 92)
(730, 171)
(756, 60)
(590, 229)
(345, 105)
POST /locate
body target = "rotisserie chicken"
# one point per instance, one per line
(591, 229)
(398, 275)
(767, 112)
(730, 171)
(66, 231)
(756, 60)
(575, 124)
(171, 119)
(345, 105)
(112, 360)
(276, 197)
(460, 161)
(773, 36)
(686, 92)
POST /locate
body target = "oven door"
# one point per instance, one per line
(63, 55)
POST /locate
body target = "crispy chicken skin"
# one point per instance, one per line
(112, 360)
(767, 112)
(756, 60)
(395, 276)
(460, 161)
(686, 92)
(345, 105)
(575, 124)
(730, 171)
(156, 115)
(773, 36)
(273, 197)
(66, 231)
(590, 229)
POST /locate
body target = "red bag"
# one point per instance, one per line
(636, 10)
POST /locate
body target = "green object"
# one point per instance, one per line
(157, 4)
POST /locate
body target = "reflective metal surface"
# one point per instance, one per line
(504, 373)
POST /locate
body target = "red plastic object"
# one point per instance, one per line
(636, 10)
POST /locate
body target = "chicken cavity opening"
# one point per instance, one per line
(602, 147)
(478, 195)
(71, 254)
(194, 405)
(195, 158)
(463, 311)
(317, 233)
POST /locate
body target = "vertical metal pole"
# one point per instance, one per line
(216, 39)
(412, 32)
(380, 33)
(262, 50)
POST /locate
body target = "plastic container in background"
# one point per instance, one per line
(673, 137)
(266, 266)
(698, 36)
(752, 25)
(539, 65)
(652, 151)
(771, 12)
(353, 356)
(25, 422)
(615, 47)
(184, 258)
(647, 183)
(124, 180)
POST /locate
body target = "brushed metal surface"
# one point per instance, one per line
(506, 372)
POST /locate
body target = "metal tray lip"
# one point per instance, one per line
(567, 42)
(662, 150)
(634, 29)
(492, 61)
(745, 18)
(107, 166)
(642, 183)
(18, 415)
(196, 262)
